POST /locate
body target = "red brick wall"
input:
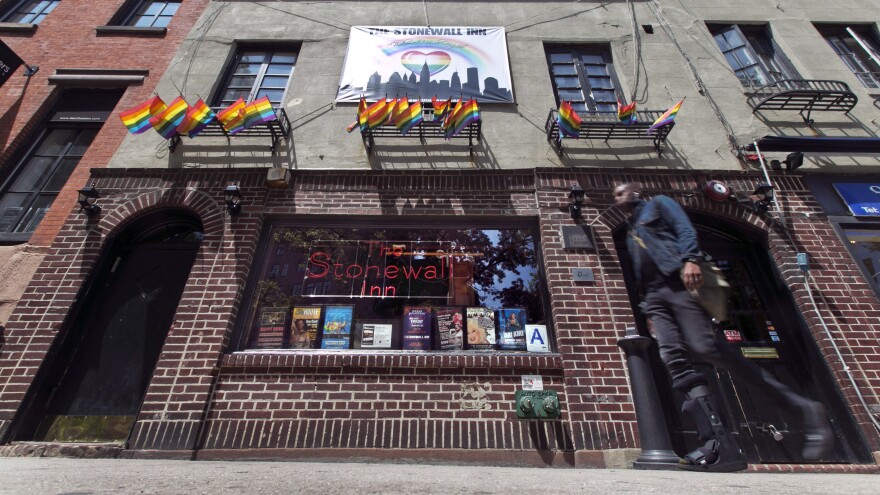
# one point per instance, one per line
(201, 396)
(66, 38)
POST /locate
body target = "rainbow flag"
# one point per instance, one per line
(197, 118)
(469, 113)
(361, 116)
(451, 113)
(258, 112)
(167, 121)
(378, 113)
(393, 113)
(667, 117)
(440, 107)
(399, 114)
(137, 119)
(626, 113)
(232, 117)
(569, 121)
(410, 118)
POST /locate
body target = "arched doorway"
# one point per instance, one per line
(95, 377)
(767, 327)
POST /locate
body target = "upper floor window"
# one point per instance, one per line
(148, 13)
(857, 47)
(257, 73)
(752, 54)
(31, 184)
(584, 76)
(29, 11)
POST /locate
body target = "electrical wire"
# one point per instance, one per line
(637, 50)
(657, 10)
(601, 5)
(425, 6)
(194, 46)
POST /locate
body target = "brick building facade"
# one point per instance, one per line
(77, 45)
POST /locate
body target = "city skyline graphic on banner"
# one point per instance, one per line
(426, 62)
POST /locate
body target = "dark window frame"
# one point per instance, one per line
(15, 7)
(863, 62)
(26, 217)
(129, 13)
(582, 82)
(767, 58)
(70, 109)
(233, 70)
(264, 254)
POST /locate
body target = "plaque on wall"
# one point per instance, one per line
(577, 237)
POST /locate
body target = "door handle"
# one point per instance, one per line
(777, 435)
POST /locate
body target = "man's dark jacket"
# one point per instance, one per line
(669, 236)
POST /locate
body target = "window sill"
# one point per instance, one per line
(15, 27)
(291, 360)
(98, 78)
(15, 238)
(131, 30)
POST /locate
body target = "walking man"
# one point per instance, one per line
(665, 254)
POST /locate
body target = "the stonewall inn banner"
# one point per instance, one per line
(426, 62)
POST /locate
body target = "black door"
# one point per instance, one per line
(765, 326)
(97, 381)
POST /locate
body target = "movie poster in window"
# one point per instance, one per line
(450, 329)
(373, 334)
(416, 328)
(336, 333)
(480, 329)
(270, 332)
(304, 327)
(511, 329)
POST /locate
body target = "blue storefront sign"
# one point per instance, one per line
(862, 199)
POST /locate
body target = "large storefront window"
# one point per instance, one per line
(398, 288)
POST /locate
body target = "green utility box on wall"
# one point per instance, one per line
(537, 404)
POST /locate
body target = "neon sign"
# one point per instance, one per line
(382, 269)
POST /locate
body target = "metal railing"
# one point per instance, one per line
(804, 95)
(606, 126)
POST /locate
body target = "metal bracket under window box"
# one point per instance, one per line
(422, 131)
(804, 95)
(606, 125)
(274, 129)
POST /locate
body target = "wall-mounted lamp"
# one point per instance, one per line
(232, 196)
(762, 196)
(575, 200)
(87, 198)
(792, 162)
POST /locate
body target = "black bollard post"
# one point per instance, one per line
(657, 450)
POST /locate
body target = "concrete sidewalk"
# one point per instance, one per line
(23, 476)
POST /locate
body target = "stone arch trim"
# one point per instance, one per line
(194, 200)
